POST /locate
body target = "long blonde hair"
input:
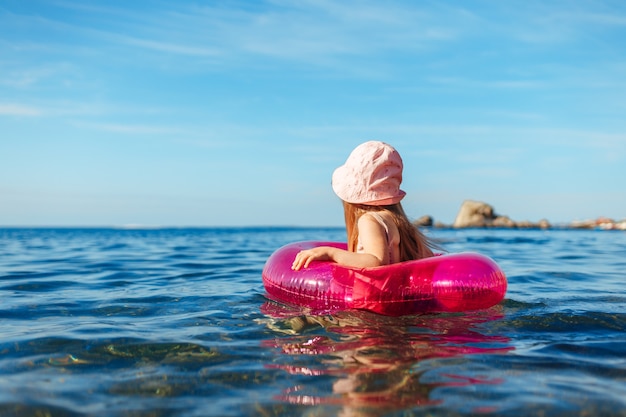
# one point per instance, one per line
(413, 244)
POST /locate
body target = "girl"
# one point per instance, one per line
(379, 232)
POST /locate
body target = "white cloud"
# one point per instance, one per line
(9, 109)
(133, 129)
(509, 84)
(320, 33)
(169, 47)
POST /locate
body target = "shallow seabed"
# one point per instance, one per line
(174, 322)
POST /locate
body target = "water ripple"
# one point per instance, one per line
(174, 322)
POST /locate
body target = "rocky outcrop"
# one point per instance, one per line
(479, 214)
(424, 221)
(474, 214)
(601, 223)
(541, 224)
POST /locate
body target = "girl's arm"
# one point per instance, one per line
(375, 249)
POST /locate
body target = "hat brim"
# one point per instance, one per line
(345, 187)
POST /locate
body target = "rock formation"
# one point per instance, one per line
(424, 221)
(478, 214)
(601, 223)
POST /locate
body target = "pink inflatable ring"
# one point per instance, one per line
(443, 283)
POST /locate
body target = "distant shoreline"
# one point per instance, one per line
(480, 215)
(436, 226)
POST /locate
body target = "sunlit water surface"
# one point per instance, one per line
(174, 322)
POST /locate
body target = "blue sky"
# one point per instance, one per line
(237, 112)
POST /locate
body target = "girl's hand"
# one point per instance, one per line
(305, 257)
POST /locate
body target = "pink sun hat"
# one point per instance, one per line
(371, 175)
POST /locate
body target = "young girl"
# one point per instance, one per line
(379, 232)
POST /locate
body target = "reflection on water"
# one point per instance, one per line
(167, 323)
(369, 364)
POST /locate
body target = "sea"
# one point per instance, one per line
(176, 322)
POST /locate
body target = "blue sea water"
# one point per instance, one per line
(174, 322)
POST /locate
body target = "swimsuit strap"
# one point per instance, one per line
(380, 220)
